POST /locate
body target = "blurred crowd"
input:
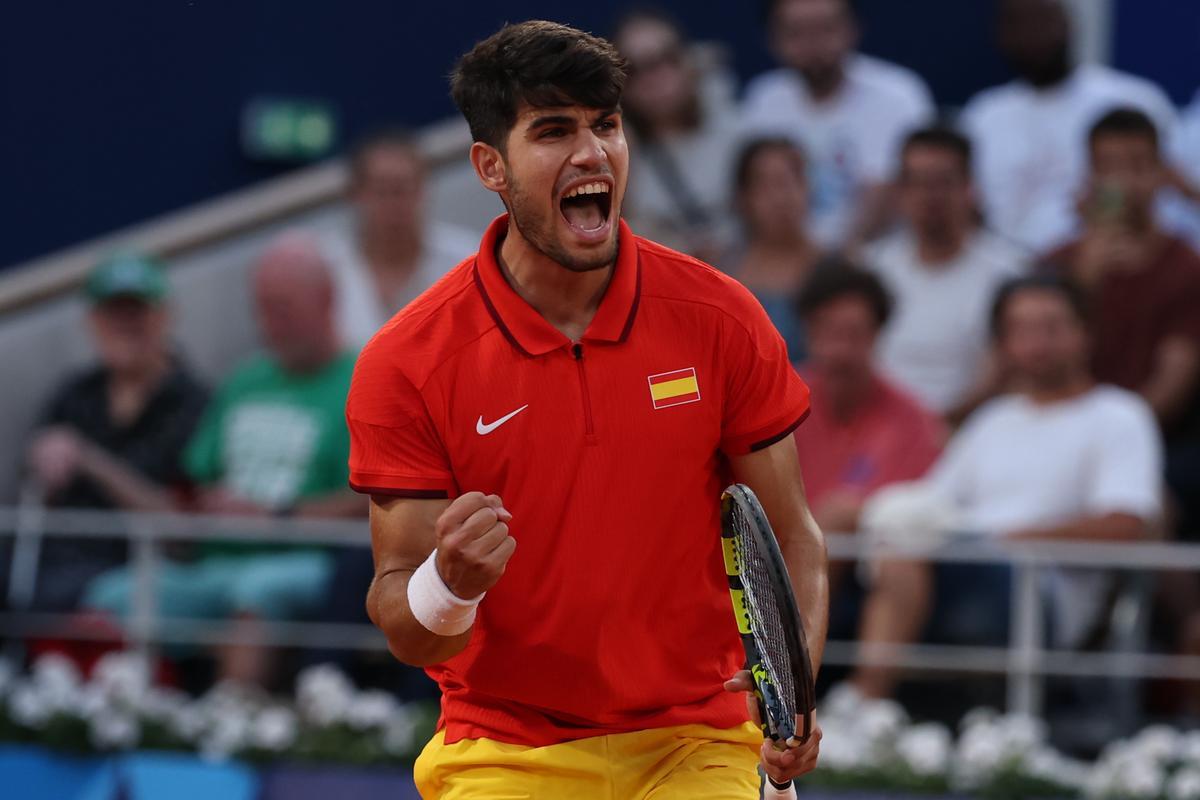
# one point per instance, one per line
(998, 312)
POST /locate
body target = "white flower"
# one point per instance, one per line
(925, 748)
(977, 717)
(1142, 779)
(28, 707)
(124, 676)
(370, 709)
(1184, 785)
(188, 722)
(840, 749)
(324, 695)
(400, 732)
(229, 734)
(1189, 748)
(1021, 732)
(880, 720)
(1049, 765)
(56, 672)
(162, 704)
(1160, 743)
(93, 703)
(274, 729)
(842, 702)
(114, 731)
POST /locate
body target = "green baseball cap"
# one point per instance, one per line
(127, 275)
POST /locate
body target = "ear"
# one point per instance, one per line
(490, 167)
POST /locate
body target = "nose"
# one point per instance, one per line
(589, 151)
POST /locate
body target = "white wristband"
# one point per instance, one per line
(437, 608)
(771, 793)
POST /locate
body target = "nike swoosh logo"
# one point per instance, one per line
(484, 430)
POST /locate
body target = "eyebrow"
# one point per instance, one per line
(565, 119)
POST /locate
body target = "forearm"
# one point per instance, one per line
(1117, 527)
(804, 553)
(127, 488)
(1171, 386)
(408, 640)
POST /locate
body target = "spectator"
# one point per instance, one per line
(942, 269)
(1062, 459)
(682, 128)
(112, 437)
(778, 255)
(848, 111)
(863, 433)
(273, 441)
(1143, 283)
(392, 254)
(1031, 134)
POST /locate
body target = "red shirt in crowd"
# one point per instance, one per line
(889, 438)
(1134, 311)
(611, 453)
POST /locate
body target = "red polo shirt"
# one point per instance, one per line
(613, 614)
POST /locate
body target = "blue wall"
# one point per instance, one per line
(114, 112)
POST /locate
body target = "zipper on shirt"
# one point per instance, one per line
(588, 428)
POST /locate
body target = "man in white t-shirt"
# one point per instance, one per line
(942, 271)
(848, 111)
(1063, 459)
(392, 253)
(1030, 134)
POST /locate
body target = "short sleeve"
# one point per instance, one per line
(394, 445)
(1126, 473)
(765, 399)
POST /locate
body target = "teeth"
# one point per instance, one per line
(588, 188)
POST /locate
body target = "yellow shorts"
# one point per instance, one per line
(688, 762)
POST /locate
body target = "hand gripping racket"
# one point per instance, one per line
(768, 620)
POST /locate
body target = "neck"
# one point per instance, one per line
(143, 376)
(566, 299)
(942, 246)
(1056, 392)
(848, 394)
(826, 85)
(391, 248)
(318, 357)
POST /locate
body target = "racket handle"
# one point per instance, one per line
(779, 791)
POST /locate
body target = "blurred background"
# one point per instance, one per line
(974, 223)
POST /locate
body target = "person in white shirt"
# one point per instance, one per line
(391, 253)
(1062, 459)
(1030, 134)
(848, 112)
(943, 270)
(681, 118)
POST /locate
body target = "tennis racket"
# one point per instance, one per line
(768, 620)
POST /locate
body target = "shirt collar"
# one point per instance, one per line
(526, 328)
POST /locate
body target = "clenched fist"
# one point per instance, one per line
(473, 545)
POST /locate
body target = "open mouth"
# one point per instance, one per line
(586, 206)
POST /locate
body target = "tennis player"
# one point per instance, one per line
(544, 435)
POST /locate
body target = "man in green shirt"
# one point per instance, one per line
(272, 442)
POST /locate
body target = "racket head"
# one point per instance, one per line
(769, 621)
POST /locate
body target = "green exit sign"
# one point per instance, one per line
(282, 129)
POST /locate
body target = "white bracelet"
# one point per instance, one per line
(437, 608)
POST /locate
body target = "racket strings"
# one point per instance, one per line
(765, 615)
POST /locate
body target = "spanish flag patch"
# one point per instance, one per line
(674, 388)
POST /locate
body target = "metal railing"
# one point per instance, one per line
(1025, 662)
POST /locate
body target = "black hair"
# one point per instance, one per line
(836, 277)
(942, 137)
(1124, 122)
(541, 63)
(1044, 282)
